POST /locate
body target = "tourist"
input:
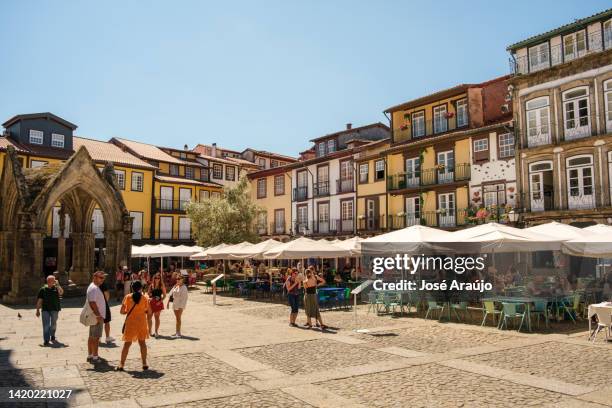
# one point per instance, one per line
(96, 301)
(178, 296)
(292, 285)
(311, 304)
(127, 281)
(107, 319)
(119, 283)
(136, 307)
(157, 294)
(49, 300)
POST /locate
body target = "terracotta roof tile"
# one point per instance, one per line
(148, 151)
(105, 151)
(168, 179)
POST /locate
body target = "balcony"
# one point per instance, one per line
(262, 229)
(300, 193)
(277, 228)
(167, 234)
(439, 218)
(320, 189)
(162, 204)
(574, 129)
(375, 223)
(429, 177)
(572, 199)
(558, 55)
(416, 129)
(345, 186)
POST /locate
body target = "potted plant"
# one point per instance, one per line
(404, 127)
(449, 115)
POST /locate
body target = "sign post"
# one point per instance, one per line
(355, 292)
(214, 288)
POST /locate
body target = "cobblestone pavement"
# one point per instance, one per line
(435, 386)
(242, 353)
(264, 399)
(315, 355)
(567, 362)
(441, 338)
(183, 372)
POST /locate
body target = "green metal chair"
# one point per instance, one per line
(511, 312)
(489, 309)
(540, 309)
(460, 307)
(391, 300)
(433, 306)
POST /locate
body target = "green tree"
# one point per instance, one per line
(229, 220)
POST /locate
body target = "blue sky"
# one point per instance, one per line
(268, 74)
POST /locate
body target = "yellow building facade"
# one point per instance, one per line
(371, 185)
(271, 191)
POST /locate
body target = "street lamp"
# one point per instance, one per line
(513, 217)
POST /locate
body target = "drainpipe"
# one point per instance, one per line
(386, 193)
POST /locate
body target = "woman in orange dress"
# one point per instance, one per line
(136, 308)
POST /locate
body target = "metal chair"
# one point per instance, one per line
(511, 311)
(433, 306)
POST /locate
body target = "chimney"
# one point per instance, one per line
(349, 126)
(185, 147)
(214, 150)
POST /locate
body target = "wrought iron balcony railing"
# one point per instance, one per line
(375, 223)
(429, 177)
(175, 235)
(320, 189)
(170, 205)
(345, 186)
(277, 228)
(579, 197)
(300, 193)
(415, 128)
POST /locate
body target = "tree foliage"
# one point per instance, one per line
(229, 219)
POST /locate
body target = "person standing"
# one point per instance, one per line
(311, 304)
(119, 284)
(157, 294)
(292, 284)
(96, 301)
(136, 308)
(105, 290)
(49, 300)
(178, 296)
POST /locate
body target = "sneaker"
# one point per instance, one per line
(110, 340)
(95, 359)
(176, 336)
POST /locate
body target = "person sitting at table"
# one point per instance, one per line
(311, 304)
(338, 279)
(607, 288)
(261, 268)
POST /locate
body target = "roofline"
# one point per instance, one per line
(270, 154)
(45, 115)
(132, 151)
(570, 27)
(371, 125)
(269, 172)
(336, 155)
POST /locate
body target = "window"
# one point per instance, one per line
(120, 178)
(331, 146)
(494, 194)
(217, 171)
(506, 145)
(279, 185)
(462, 113)
(174, 170)
(413, 211)
(321, 149)
(57, 140)
(413, 171)
(204, 174)
(279, 221)
(273, 163)
(481, 149)
(262, 221)
(538, 122)
(302, 219)
(262, 163)
(166, 199)
(261, 188)
(204, 195)
(184, 197)
(440, 122)
(446, 210)
(37, 163)
(322, 187)
(364, 169)
(215, 194)
(36, 137)
(230, 173)
(346, 210)
(607, 31)
(574, 45)
(137, 181)
(446, 166)
(136, 224)
(189, 172)
(183, 155)
(576, 113)
(608, 103)
(418, 124)
(380, 170)
(580, 182)
(165, 228)
(184, 228)
(539, 57)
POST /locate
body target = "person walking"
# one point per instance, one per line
(105, 290)
(178, 296)
(311, 304)
(292, 285)
(136, 308)
(96, 301)
(157, 294)
(49, 300)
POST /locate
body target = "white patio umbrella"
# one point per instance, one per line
(410, 239)
(352, 244)
(204, 254)
(227, 251)
(256, 251)
(559, 230)
(591, 246)
(599, 229)
(302, 248)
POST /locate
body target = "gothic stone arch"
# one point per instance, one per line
(27, 197)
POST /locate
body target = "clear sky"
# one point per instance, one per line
(265, 74)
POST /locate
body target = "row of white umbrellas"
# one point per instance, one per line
(594, 241)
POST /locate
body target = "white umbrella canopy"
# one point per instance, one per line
(142, 251)
(591, 246)
(204, 254)
(352, 244)
(256, 251)
(410, 239)
(494, 237)
(306, 248)
(227, 252)
(559, 230)
(599, 229)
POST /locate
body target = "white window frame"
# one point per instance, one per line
(230, 171)
(412, 167)
(165, 233)
(537, 114)
(418, 124)
(607, 89)
(184, 228)
(582, 195)
(37, 137)
(573, 44)
(34, 164)
(440, 122)
(189, 172)
(137, 182)
(377, 169)
(331, 146)
(215, 195)
(321, 149)
(279, 181)
(136, 232)
(413, 211)
(578, 126)
(364, 173)
(446, 158)
(120, 177)
(204, 195)
(542, 52)
(215, 175)
(262, 187)
(279, 220)
(166, 202)
(446, 206)
(481, 145)
(607, 33)
(57, 140)
(506, 145)
(462, 112)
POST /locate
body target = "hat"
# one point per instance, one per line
(125, 267)
(184, 272)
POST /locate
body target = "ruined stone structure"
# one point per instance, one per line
(26, 199)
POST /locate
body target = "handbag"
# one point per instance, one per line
(88, 318)
(126, 316)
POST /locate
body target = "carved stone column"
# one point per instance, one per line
(6, 261)
(61, 250)
(83, 245)
(27, 267)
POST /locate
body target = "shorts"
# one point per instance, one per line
(294, 302)
(107, 319)
(95, 331)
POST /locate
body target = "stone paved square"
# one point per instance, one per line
(262, 399)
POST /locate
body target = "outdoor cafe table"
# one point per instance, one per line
(602, 307)
(526, 300)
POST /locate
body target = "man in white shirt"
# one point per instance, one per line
(95, 298)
